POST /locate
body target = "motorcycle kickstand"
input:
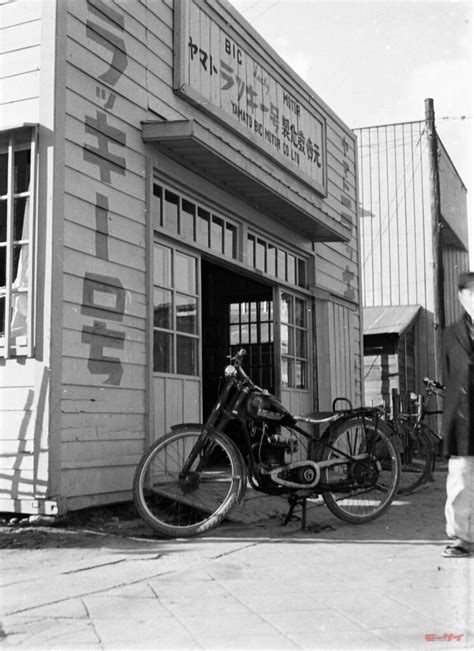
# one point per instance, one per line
(293, 501)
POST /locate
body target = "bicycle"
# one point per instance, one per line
(191, 478)
(418, 443)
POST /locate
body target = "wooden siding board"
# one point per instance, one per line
(100, 453)
(106, 425)
(15, 38)
(126, 117)
(81, 238)
(14, 398)
(20, 87)
(83, 80)
(26, 483)
(135, 322)
(18, 112)
(126, 213)
(93, 400)
(81, 482)
(76, 369)
(11, 64)
(130, 180)
(130, 279)
(452, 196)
(455, 262)
(122, 257)
(19, 14)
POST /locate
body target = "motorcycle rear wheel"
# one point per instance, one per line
(363, 489)
(187, 507)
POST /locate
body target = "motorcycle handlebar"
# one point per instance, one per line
(237, 362)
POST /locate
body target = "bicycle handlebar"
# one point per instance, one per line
(433, 384)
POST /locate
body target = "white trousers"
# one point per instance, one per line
(459, 509)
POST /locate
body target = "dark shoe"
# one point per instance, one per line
(455, 551)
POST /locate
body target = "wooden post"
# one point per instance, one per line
(395, 404)
(438, 291)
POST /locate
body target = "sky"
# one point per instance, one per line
(375, 62)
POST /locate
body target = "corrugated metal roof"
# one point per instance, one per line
(393, 319)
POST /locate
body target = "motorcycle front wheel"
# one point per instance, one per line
(362, 488)
(177, 506)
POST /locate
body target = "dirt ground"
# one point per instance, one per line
(76, 529)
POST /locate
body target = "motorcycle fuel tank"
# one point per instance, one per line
(266, 408)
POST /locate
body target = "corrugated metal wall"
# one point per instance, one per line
(396, 227)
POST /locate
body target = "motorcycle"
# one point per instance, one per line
(191, 478)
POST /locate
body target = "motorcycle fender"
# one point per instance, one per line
(187, 426)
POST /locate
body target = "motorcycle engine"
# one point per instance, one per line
(269, 452)
(271, 449)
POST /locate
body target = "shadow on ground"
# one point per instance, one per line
(417, 518)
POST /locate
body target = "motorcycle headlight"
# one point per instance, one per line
(230, 371)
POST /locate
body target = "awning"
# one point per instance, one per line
(281, 196)
(393, 319)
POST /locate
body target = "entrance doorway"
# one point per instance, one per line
(237, 312)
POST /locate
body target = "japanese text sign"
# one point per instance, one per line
(222, 77)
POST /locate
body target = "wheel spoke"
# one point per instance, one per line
(181, 506)
(363, 488)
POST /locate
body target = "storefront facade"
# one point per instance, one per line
(172, 192)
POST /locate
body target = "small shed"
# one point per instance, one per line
(389, 353)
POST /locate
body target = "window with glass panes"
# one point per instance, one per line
(294, 341)
(17, 215)
(276, 261)
(193, 222)
(176, 311)
(251, 327)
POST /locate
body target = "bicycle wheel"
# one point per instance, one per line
(175, 507)
(362, 488)
(417, 460)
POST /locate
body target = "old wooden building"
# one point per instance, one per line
(414, 243)
(170, 190)
(389, 354)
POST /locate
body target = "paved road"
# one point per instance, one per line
(250, 584)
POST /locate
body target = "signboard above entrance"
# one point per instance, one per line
(225, 77)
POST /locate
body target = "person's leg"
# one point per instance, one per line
(460, 506)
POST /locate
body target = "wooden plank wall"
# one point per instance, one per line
(141, 79)
(24, 383)
(452, 195)
(105, 244)
(20, 47)
(455, 262)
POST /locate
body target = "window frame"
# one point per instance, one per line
(282, 256)
(173, 330)
(13, 140)
(291, 356)
(202, 211)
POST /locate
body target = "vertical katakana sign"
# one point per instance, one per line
(103, 295)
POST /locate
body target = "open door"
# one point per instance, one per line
(237, 312)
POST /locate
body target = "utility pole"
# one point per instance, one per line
(438, 276)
